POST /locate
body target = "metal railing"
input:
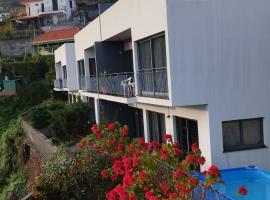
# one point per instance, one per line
(58, 84)
(64, 83)
(120, 84)
(82, 82)
(153, 82)
(91, 83)
(50, 9)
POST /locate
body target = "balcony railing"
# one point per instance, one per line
(91, 83)
(82, 82)
(153, 82)
(58, 84)
(119, 84)
(50, 9)
(64, 83)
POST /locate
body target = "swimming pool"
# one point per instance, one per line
(255, 180)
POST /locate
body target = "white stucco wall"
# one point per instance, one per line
(34, 8)
(144, 18)
(63, 5)
(66, 55)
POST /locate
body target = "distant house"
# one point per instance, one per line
(46, 43)
(4, 15)
(49, 11)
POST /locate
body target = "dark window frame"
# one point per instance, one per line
(242, 146)
(150, 39)
(160, 118)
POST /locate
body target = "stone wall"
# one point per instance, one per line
(41, 143)
(15, 47)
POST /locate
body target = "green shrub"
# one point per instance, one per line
(65, 122)
(17, 184)
(70, 123)
(72, 175)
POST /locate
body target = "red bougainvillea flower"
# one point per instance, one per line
(120, 147)
(124, 132)
(104, 173)
(178, 173)
(201, 160)
(111, 195)
(148, 195)
(132, 197)
(141, 140)
(131, 147)
(242, 191)
(154, 144)
(114, 177)
(165, 189)
(213, 170)
(142, 176)
(191, 158)
(128, 180)
(122, 193)
(94, 128)
(167, 137)
(194, 147)
(127, 162)
(112, 142)
(111, 126)
(154, 198)
(100, 135)
(164, 154)
(178, 151)
(88, 144)
(79, 146)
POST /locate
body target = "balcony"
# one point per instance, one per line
(118, 84)
(58, 84)
(82, 82)
(153, 82)
(50, 10)
(91, 84)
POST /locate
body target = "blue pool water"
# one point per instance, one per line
(257, 182)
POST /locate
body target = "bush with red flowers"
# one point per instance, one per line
(134, 169)
(148, 171)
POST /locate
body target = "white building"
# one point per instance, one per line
(50, 11)
(198, 70)
(4, 16)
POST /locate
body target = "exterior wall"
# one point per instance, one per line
(39, 140)
(125, 13)
(221, 60)
(34, 8)
(66, 56)
(63, 5)
(72, 70)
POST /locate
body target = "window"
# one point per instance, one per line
(81, 67)
(186, 132)
(152, 72)
(70, 4)
(156, 123)
(152, 52)
(242, 134)
(65, 72)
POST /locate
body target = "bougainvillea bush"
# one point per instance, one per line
(149, 171)
(135, 169)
